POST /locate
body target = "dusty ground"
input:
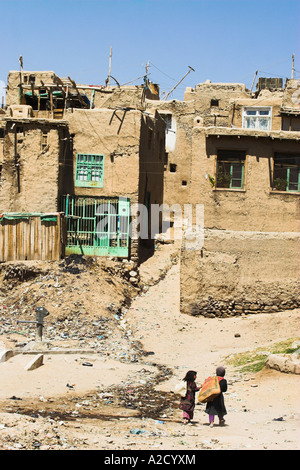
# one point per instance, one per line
(116, 392)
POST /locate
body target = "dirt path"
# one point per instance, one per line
(263, 409)
(103, 409)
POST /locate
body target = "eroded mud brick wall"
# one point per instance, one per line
(32, 169)
(241, 272)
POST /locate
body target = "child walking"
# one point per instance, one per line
(187, 403)
(217, 406)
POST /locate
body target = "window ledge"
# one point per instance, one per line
(290, 193)
(232, 190)
(86, 184)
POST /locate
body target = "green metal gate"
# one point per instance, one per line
(97, 226)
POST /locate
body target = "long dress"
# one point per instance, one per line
(187, 403)
(217, 406)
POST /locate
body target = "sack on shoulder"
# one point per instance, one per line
(180, 388)
(210, 390)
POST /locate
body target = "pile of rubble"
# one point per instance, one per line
(86, 299)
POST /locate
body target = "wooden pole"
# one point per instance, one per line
(21, 68)
(190, 69)
(51, 104)
(293, 65)
(253, 81)
(109, 70)
(17, 162)
(79, 95)
(21, 79)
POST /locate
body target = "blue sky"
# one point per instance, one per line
(223, 40)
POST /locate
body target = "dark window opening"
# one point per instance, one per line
(173, 167)
(214, 102)
(31, 101)
(184, 183)
(286, 173)
(230, 169)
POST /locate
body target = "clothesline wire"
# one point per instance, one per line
(171, 78)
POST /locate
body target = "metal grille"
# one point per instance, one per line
(97, 226)
(89, 170)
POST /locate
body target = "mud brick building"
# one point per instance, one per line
(91, 165)
(237, 153)
(90, 153)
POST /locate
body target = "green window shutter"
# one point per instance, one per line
(293, 179)
(237, 175)
(230, 169)
(286, 174)
(89, 170)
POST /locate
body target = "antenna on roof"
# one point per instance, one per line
(109, 70)
(147, 66)
(190, 69)
(253, 81)
(21, 66)
(293, 65)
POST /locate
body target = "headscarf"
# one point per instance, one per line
(220, 371)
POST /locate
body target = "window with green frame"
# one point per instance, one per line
(286, 172)
(230, 169)
(89, 170)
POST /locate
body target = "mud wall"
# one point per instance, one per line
(241, 272)
(254, 207)
(265, 99)
(132, 145)
(177, 162)
(116, 135)
(32, 167)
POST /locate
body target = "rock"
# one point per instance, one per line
(35, 362)
(283, 364)
(6, 354)
(133, 273)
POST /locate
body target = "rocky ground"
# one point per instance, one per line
(115, 344)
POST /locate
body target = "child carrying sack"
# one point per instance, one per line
(180, 388)
(210, 389)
